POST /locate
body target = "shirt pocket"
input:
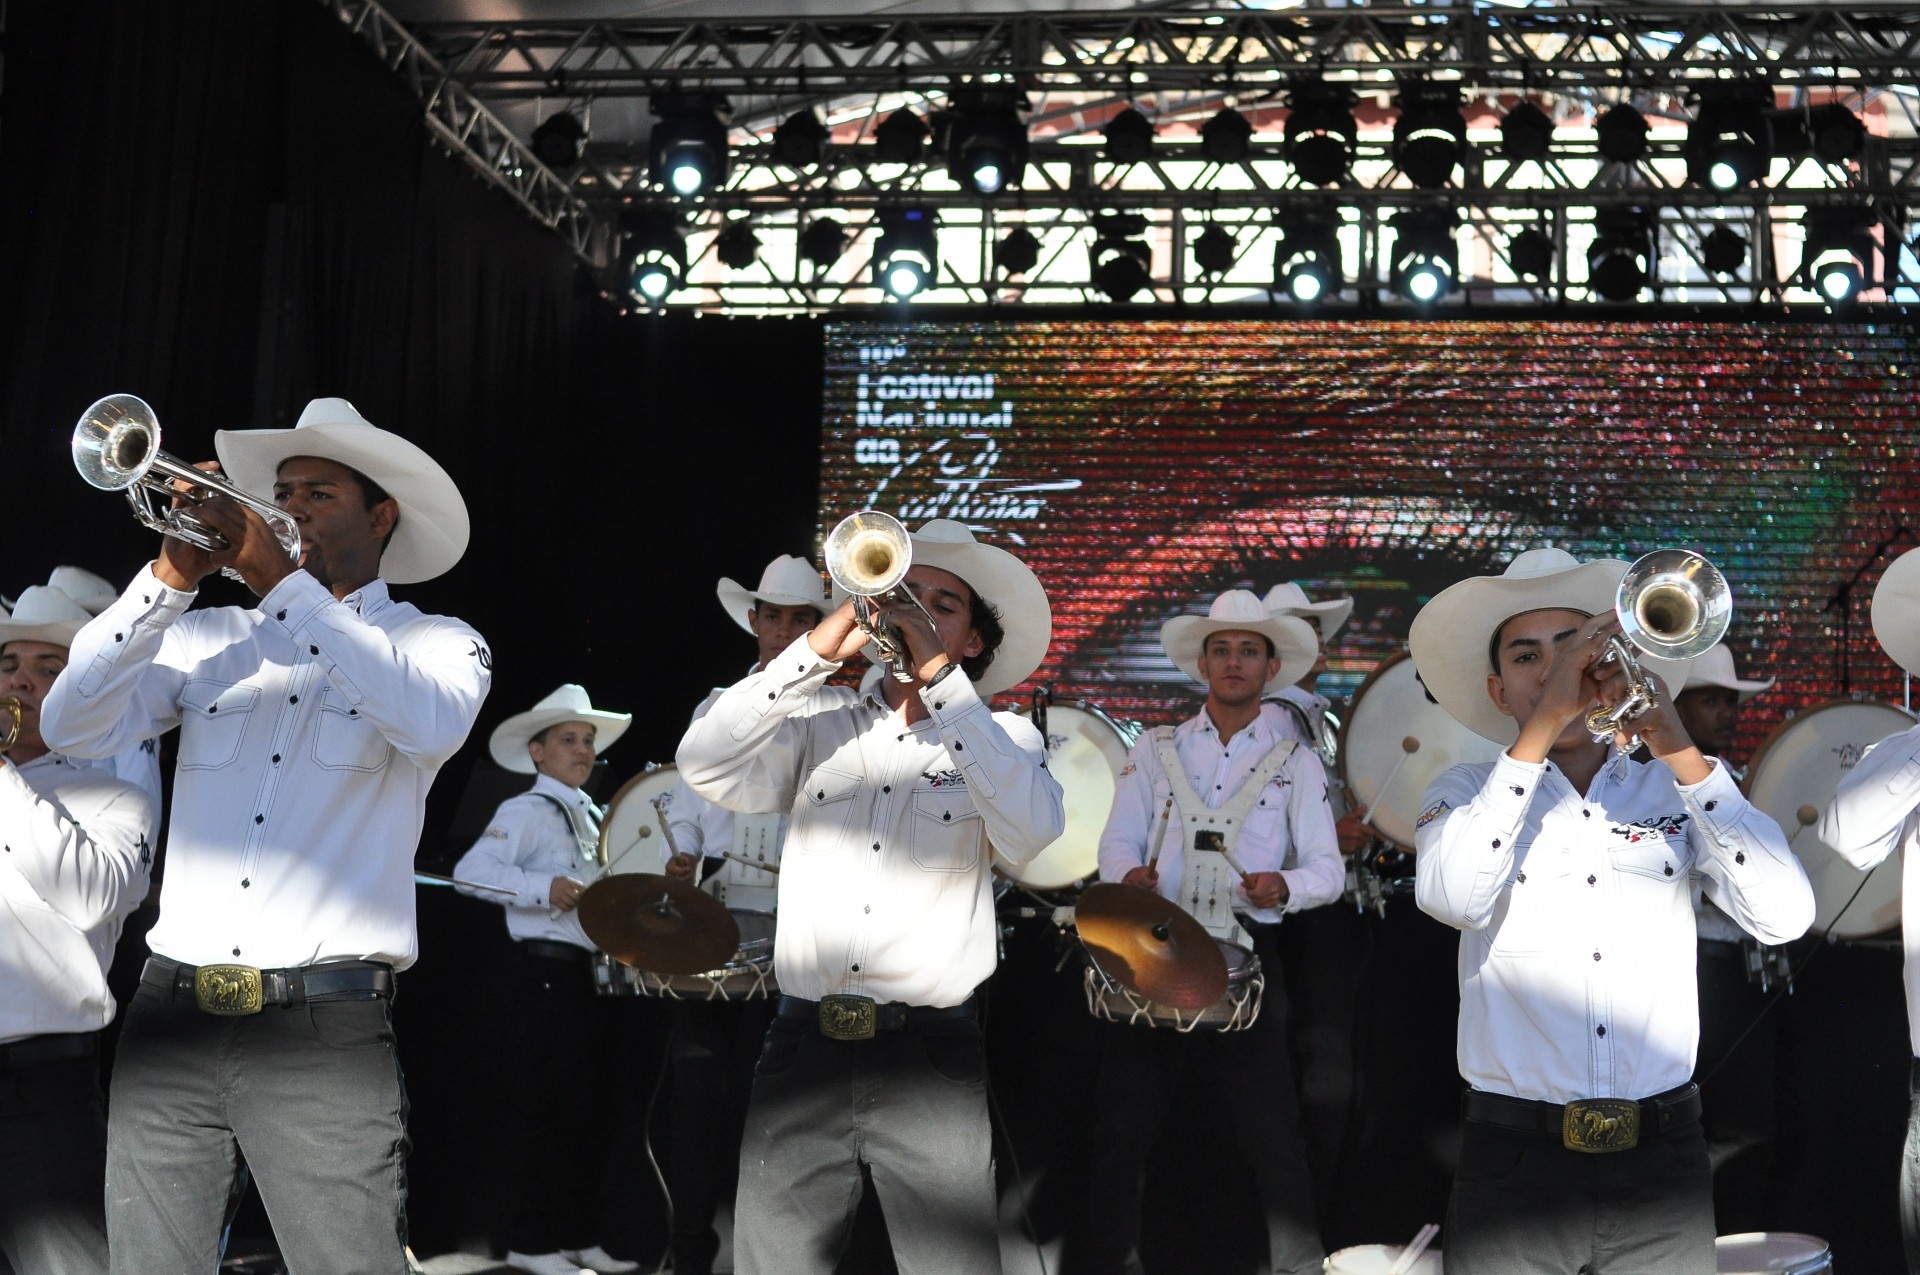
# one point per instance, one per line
(945, 832)
(828, 807)
(213, 721)
(344, 740)
(1648, 856)
(1536, 916)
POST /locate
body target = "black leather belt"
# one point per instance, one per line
(241, 989)
(1590, 1124)
(860, 1017)
(37, 1051)
(547, 950)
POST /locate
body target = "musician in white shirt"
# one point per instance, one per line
(1245, 785)
(898, 804)
(1569, 868)
(311, 727)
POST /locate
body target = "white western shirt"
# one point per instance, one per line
(1577, 954)
(78, 853)
(528, 842)
(1292, 816)
(310, 731)
(886, 883)
(1875, 811)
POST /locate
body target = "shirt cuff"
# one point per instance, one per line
(952, 700)
(158, 602)
(1716, 800)
(1510, 785)
(800, 664)
(295, 600)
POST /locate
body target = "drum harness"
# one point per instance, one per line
(1208, 888)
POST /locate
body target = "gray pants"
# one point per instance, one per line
(310, 1095)
(53, 1147)
(909, 1106)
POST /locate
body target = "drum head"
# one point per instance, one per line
(1794, 776)
(630, 835)
(1390, 710)
(1378, 1259)
(1085, 751)
(1772, 1253)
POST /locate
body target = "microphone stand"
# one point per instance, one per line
(1842, 602)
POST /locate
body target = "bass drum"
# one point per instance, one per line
(1086, 750)
(1397, 741)
(631, 836)
(1794, 776)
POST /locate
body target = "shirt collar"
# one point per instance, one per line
(546, 783)
(1261, 731)
(370, 598)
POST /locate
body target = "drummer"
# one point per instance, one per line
(542, 845)
(1877, 811)
(1568, 866)
(1239, 788)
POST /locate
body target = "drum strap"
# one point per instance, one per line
(587, 840)
(1208, 884)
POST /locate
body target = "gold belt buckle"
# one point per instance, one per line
(228, 990)
(1600, 1125)
(847, 1017)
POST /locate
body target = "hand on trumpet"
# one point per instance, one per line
(252, 548)
(839, 637)
(183, 565)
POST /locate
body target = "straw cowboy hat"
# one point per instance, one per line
(433, 526)
(43, 613)
(1291, 599)
(1184, 637)
(1006, 584)
(1450, 635)
(508, 744)
(787, 582)
(1715, 668)
(1896, 611)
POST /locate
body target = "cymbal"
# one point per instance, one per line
(658, 924)
(1150, 945)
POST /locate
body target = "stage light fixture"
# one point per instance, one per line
(1430, 137)
(1723, 251)
(736, 245)
(1526, 133)
(1214, 249)
(1530, 253)
(800, 141)
(1730, 142)
(1227, 138)
(1622, 134)
(1018, 252)
(1426, 257)
(687, 150)
(1119, 263)
(1321, 134)
(900, 138)
(655, 253)
(1129, 137)
(1829, 132)
(823, 240)
(1306, 261)
(556, 143)
(987, 139)
(1839, 253)
(1620, 259)
(905, 260)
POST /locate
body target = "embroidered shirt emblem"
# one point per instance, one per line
(1431, 813)
(1659, 825)
(944, 779)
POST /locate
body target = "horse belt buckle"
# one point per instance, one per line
(1600, 1125)
(847, 1017)
(228, 990)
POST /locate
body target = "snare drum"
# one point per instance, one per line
(1772, 1253)
(1794, 777)
(748, 976)
(1233, 1012)
(1086, 750)
(1378, 1259)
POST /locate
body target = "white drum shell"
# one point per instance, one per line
(1389, 708)
(1378, 1259)
(1086, 750)
(1772, 1253)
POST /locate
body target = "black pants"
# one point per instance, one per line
(714, 1047)
(1739, 1090)
(53, 1168)
(1142, 1071)
(1323, 955)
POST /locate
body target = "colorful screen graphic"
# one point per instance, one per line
(1143, 467)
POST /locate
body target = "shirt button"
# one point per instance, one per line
(1712, 804)
(1600, 1031)
(1740, 857)
(770, 695)
(118, 638)
(886, 788)
(246, 883)
(1592, 880)
(1596, 956)
(280, 616)
(856, 969)
(867, 908)
(959, 747)
(876, 845)
(236, 951)
(1586, 814)
(821, 795)
(313, 650)
(276, 759)
(293, 699)
(259, 818)
(1496, 843)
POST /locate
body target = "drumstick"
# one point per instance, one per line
(1233, 862)
(1807, 816)
(434, 878)
(1411, 1253)
(1160, 837)
(1408, 747)
(751, 863)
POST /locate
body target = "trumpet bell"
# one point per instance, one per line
(1674, 604)
(115, 442)
(868, 553)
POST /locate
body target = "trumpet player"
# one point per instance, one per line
(311, 726)
(1568, 867)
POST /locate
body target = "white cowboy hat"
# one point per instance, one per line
(1450, 635)
(1715, 668)
(1184, 637)
(1291, 599)
(433, 526)
(1003, 582)
(508, 744)
(787, 582)
(89, 590)
(43, 613)
(1896, 611)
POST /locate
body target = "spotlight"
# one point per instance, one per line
(1526, 133)
(900, 138)
(1214, 249)
(823, 240)
(1829, 132)
(1839, 252)
(987, 139)
(1306, 261)
(556, 143)
(687, 150)
(1227, 138)
(736, 245)
(1730, 142)
(1320, 131)
(1129, 137)
(1119, 261)
(655, 253)
(1620, 258)
(1530, 253)
(1623, 134)
(1019, 252)
(1426, 258)
(1430, 137)
(904, 261)
(800, 140)
(1723, 251)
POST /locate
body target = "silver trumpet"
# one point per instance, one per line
(867, 555)
(116, 447)
(1673, 604)
(9, 722)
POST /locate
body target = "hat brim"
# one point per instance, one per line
(1184, 637)
(1327, 617)
(1450, 635)
(508, 743)
(737, 600)
(52, 632)
(434, 528)
(1015, 593)
(1896, 611)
